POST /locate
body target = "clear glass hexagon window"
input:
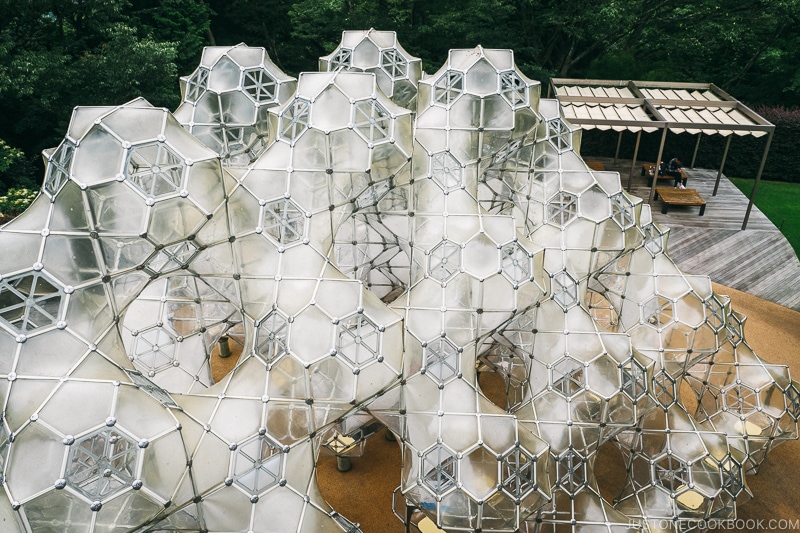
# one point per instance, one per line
(197, 84)
(394, 64)
(715, 314)
(30, 301)
(446, 170)
(671, 473)
(732, 478)
(357, 340)
(172, 257)
(559, 134)
(442, 361)
(515, 262)
(439, 469)
(562, 209)
(571, 472)
(155, 169)
(513, 89)
(633, 376)
(342, 59)
(664, 388)
(653, 239)
(518, 470)
(284, 221)
(740, 399)
(271, 335)
(622, 210)
(448, 87)
(372, 121)
(257, 465)
(153, 349)
(793, 398)
(565, 290)
(294, 119)
(444, 260)
(658, 311)
(101, 464)
(259, 84)
(58, 168)
(568, 376)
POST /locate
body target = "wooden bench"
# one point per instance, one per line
(687, 197)
(596, 165)
(648, 169)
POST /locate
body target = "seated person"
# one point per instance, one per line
(674, 169)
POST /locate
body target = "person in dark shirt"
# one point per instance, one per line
(674, 169)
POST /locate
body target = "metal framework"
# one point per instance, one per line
(368, 257)
(637, 106)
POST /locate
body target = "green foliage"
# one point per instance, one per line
(55, 55)
(15, 202)
(780, 202)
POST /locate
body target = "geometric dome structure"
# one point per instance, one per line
(372, 239)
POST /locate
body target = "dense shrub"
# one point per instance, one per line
(744, 155)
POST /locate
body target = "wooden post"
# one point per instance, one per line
(758, 179)
(635, 155)
(722, 165)
(696, 147)
(619, 141)
(658, 160)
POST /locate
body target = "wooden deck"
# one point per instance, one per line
(758, 260)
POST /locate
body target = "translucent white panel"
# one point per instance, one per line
(482, 78)
(247, 56)
(99, 159)
(366, 53)
(136, 125)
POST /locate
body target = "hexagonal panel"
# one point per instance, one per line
(372, 120)
(562, 209)
(671, 473)
(570, 472)
(102, 463)
(518, 471)
(564, 289)
(622, 211)
(439, 469)
(257, 465)
(559, 134)
(271, 336)
(442, 361)
(715, 314)
(515, 262)
(58, 168)
(154, 348)
(358, 340)
(633, 376)
(342, 59)
(197, 84)
(568, 376)
(513, 89)
(284, 221)
(294, 119)
(155, 169)
(448, 87)
(446, 170)
(658, 311)
(444, 260)
(740, 399)
(664, 389)
(653, 239)
(394, 64)
(259, 85)
(30, 301)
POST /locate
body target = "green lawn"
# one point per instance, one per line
(780, 201)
